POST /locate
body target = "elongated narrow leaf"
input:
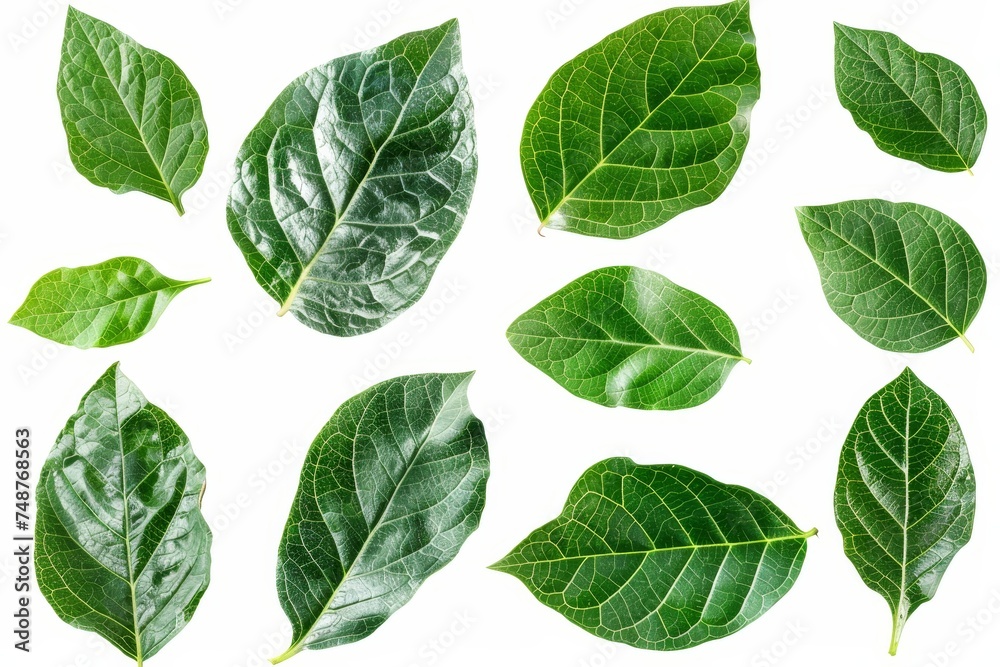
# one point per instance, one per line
(906, 495)
(916, 106)
(905, 277)
(391, 488)
(648, 123)
(110, 303)
(660, 556)
(133, 120)
(357, 181)
(122, 548)
(627, 337)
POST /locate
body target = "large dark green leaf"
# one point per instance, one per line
(133, 120)
(357, 181)
(905, 277)
(625, 336)
(110, 303)
(906, 495)
(121, 546)
(391, 488)
(648, 123)
(660, 556)
(916, 106)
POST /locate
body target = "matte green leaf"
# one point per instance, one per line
(660, 556)
(122, 548)
(648, 123)
(906, 495)
(114, 302)
(357, 181)
(627, 337)
(916, 106)
(390, 490)
(905, 277)
(133, 120)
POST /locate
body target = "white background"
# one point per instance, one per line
(252, 390)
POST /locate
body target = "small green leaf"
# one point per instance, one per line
(660, 556)
(916, 106)
(390, 490)
(627, 337)
(906, 495)
(132, 118)
(122, 548)
(905, 277)
(648, 123)
(114, 302)
(357, 181)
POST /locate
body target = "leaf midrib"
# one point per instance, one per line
(177, 288)
(604, 159)
(658, 345)
(645, 552)
(127, 526)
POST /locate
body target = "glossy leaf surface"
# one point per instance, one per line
(660, 556)
(122, 548)
(648, 123)
(916, 106)
(906, 495)
(132, 118)
(628, 337)
(905, 277)
(391, 488)
(357, 181)
(110, 303)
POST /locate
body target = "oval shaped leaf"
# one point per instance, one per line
(133, 120)
(391, 488)
(357, 181)
(627, 337)
(122, 548)
(648, 123)
(660, 556)
(905, 277)
(916, 106)
(114, 302)
(906, 495)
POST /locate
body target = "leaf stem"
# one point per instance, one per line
(294, 649)
(175, 200)
(898, 621)
(968, 343)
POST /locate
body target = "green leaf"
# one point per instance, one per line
(905, 496)
(357, 181)
(114, 302)
(122, 548)
(390, 490)
(648, 123)
(627, 337)
(133, 120)
(916, 106)
(660, 556)
(905, 277)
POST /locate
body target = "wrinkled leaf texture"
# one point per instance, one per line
(357, 181)
(122, 548)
